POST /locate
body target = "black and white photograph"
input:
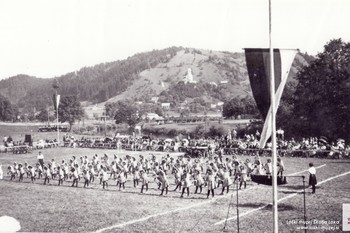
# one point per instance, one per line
(175, 116)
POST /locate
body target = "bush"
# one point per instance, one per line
(199, 131)
(90, 128)
(216, 130)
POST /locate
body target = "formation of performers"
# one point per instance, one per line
(186, 172)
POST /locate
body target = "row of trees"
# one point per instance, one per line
(319, 104)
(127, 111)
(70, 111)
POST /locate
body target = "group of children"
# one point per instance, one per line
(186, 171)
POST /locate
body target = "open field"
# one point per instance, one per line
(18, 131)
(51, 208)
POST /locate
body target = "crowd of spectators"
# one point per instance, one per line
(228, 144)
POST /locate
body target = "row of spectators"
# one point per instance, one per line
(228, 144)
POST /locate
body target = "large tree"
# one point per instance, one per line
(44, 116)
(124, 111)
(238, 106)
(8, 112)
(322, 97)
(70, 110)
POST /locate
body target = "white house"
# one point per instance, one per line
(165, 105)
(184, 105)
(224, 82)
(213, 83)
(155, 117)
(220, 104)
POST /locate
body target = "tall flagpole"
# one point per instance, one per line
(273, 124)
(58, 129)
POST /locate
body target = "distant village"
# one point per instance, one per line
(188, 79)
(215, 107)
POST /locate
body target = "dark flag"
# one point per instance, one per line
(258, 65)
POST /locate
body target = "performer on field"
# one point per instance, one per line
(312, 178)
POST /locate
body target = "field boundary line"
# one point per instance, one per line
(297, 173)
(120, 225)
(280, 200)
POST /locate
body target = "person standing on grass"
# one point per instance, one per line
(39, 170)
(187, 184)
(177, 175)
(75, 176)
(226, 181)
(198, 180)
(163, 181)
(60, 173)
(41, 159)
(12, 171)
(210, 182)
(268, 167)
(121, 180)
(32, 173)
(104, 177)
(243, 176)
(312, 177)
(92, 173)
(144, 180)
(21, 172)
(86, 178)
(280, 166)
(47, 175)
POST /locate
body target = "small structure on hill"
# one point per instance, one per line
(154, 117)
(213, 83)
(189, 77)
(154, 99)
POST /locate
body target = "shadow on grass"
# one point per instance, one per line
(281, 207)
(289, 192)
(295, 187)
(111, 188)
(252, 205)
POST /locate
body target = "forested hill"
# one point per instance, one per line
(142, 76)
(17, 87)
(95, 84)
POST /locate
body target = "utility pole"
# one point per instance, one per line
(104, 116)
(48, 118)
(56, 103)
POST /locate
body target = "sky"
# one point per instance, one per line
(48, 38)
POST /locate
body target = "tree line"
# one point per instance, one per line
(317, 102)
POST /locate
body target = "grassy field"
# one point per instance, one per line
(51, 208)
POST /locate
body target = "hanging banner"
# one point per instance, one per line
(56, 101)
(258, 65)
